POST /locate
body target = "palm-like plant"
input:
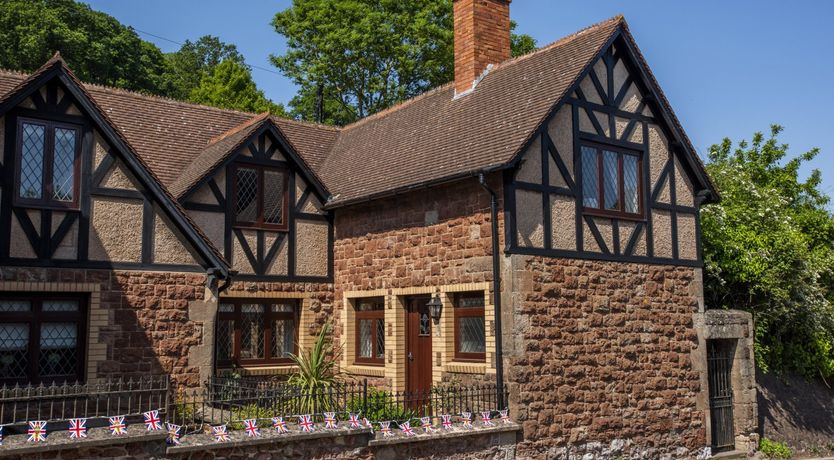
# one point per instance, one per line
(316, 373)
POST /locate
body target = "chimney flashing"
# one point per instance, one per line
(474, 83)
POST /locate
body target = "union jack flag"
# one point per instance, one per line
(36, 431)
(220, 433)
(280, 425)
(447, 421)
(425, 422)
(152, 420)
(78, 428)
(354, 421)
(466, 418)
(505, 415)
(330, 420)
(306, 422)
(251, 427)
(117, 425)
(1, 435)
(368, 424)
(406, 428)
(486, 416)
(385, 427)
(173, 434)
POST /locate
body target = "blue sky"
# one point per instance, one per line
(729, 68)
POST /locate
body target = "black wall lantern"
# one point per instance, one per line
(435, 307)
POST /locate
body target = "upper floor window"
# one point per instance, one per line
(370, 330)
(611, 182)
(252, 332)
(470, 327)
(41, 337)
(48, 163)
(260, 197)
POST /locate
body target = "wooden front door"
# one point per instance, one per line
(418, 345)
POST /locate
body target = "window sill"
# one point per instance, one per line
(365, 370)
(593, 212)
(255, 371)
(461, 367)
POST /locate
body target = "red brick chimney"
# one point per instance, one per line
(482, 37)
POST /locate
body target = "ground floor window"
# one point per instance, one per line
(470, 331)
(42, 337)
(370, 330)
(251, 332)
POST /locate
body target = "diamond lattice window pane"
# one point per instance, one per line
(631, 184)
(365, 343)
(283, 338)
(15, 306)
(590, 177)
(610, 177)
(226, 308)
(472, 336)
(225, 339)
(282, 308)
(58, 349)
(31, 161)
(63, 171)
(252, 331)
(246, 207)
(380, 338)
(14, 342)
(60, 305)
(273, 197)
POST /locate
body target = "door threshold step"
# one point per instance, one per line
(730, 455)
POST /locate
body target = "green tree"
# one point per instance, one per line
(769, 249)
(366, 55)
(187, 66)
(230, 86)
(95, 45)
(520, 44)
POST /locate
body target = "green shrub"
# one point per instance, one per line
(247, 412)
(381, 407)
(773, 449)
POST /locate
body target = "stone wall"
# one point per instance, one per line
(139, 323)
(598, 357)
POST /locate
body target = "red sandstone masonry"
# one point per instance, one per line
(603, 353)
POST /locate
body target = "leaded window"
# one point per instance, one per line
(470, 327)
(261, 197)
(254, 332)
(47, 172)
(41, 338)
(611, 184)
(370, 330)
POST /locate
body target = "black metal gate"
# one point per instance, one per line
(719, 368)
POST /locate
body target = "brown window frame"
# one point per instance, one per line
(259, 222)
(378, 315)
(35, 317)
(620, 212)
(469, 312)
(269, 317)
(46, 200)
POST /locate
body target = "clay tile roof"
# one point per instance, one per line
(428, 139)
(437, 136)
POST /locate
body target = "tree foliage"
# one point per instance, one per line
(769, 249)
(366, 55)
(230, 86)
(101, 50)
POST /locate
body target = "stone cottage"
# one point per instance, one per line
(534, 222)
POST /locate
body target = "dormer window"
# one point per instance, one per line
(48, 163)
(260, 197)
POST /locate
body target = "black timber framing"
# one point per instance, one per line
(622, 247)
(262, 255)
(43, 240)
(52, 76)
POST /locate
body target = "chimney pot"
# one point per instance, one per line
(482, 37)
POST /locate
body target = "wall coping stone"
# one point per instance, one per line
(16, 445)
(203, 442)
(455, 432)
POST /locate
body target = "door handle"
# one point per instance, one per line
(410, 356)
